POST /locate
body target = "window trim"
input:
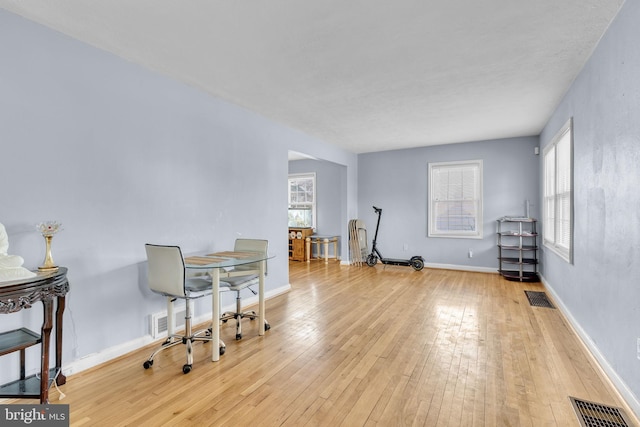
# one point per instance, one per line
(305, 175)
(551, 243)
(457, 234)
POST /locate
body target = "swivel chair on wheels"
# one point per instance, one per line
(238, 283)
(166, 276)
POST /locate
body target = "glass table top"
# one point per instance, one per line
(224, 259)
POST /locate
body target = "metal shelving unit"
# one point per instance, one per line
(518, 249)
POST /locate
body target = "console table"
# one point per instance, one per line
(22, 294)
(324, 241)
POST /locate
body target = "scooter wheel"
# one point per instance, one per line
(372, 260)
(417, 264)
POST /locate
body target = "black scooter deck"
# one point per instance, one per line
(395, 261)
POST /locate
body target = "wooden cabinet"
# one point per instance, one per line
(518, 249)
(297, 243)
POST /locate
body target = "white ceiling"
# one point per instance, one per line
(366, 75)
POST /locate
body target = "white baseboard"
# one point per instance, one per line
(625, 394)
(462, 268)
(451, 267)
(95, 359)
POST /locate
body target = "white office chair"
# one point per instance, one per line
(238, 283)
(166, 276)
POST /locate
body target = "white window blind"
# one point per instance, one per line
(558, 193)
(455, 199)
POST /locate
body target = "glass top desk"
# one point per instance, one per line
(220, 265)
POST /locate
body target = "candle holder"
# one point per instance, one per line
(48, 230)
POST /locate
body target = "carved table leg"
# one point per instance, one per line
(47, 324)
(60, 379)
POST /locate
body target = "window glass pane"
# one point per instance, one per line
(563, 151)
(549, 173)
(549, 221)
(301, 190)
(456, 216)
(563, 236)
(549, 195)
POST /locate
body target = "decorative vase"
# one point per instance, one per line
(48, 264)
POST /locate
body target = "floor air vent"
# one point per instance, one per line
(596, 415)
(538, 299)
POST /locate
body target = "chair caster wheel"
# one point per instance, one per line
(267, 326)
(147, 364)
(238, 336)
(222, 350)
(186, 369)
(224, 321)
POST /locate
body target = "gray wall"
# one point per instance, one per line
(123, 156)
(330, 195)
(396, 181)
(601, 290)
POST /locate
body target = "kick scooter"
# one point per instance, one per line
(417, 262)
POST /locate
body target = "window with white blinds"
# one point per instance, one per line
(558, 193)
(302, 200)
(455, 199)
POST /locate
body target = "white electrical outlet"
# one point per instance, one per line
(406, 247)
(470, 253)
(638, 348)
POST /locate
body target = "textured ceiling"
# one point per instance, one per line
(366, 75)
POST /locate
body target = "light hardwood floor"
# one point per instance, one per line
(361, 346)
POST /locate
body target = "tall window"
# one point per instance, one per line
(455, 199)
(558, 193)
(302, 200)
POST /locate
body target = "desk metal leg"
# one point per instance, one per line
(215, 317)
(261, 315)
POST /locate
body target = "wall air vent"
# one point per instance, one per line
(159, 323)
